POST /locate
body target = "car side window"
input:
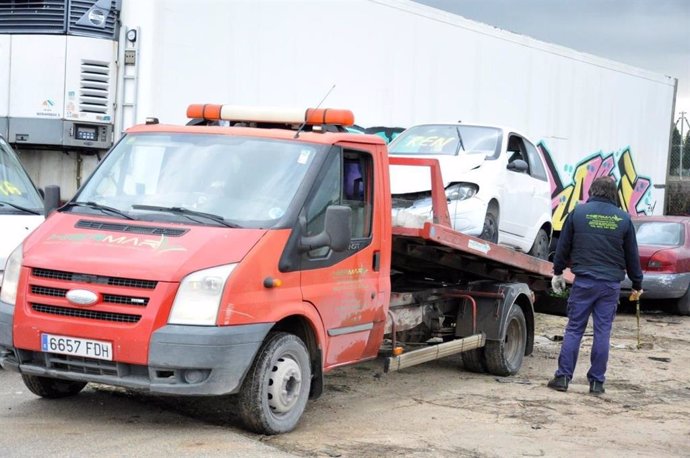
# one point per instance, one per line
(347, 180)
(536, 166)
(516, 150)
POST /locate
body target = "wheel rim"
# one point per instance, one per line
(284, 385)
(542, 250)
(490, 228)
(512, 343)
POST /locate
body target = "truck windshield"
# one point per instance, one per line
(448, 139)
(16, 188)
(198, 178)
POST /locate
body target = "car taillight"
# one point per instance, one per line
(663, 261)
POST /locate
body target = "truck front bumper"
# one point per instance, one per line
(183, 360)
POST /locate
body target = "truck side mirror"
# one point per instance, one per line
(51, 199)
(518, 165)
(337, 231)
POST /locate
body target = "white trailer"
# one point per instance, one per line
(394, 63)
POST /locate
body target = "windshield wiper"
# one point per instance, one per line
(188, 213)
(460, 138)
(95, 206)
(19, 207)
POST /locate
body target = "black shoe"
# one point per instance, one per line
(558, 383)
(596, 388)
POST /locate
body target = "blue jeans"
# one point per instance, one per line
(598, 298)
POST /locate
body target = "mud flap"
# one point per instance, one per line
(492, 313)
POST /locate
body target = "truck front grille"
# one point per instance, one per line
(97, 279)
(81, 365)
(85, 313)
(106, 298)
(68, 364)
(45, 291)
(125, 300)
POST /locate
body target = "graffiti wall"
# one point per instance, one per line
(571, 185)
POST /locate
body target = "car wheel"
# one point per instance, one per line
(52, 388)
(540, 249)
(504, 357)
(490, 231)
(473, 360)
(275, 392)
(683, 304)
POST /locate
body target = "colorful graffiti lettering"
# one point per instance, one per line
(633, 190)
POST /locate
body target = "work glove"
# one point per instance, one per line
(635, 295)
(558, 284)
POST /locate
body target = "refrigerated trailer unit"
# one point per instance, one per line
(58, 84)
(395, 62)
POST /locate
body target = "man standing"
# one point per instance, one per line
(599, 240)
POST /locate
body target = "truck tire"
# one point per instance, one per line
(683, 304)
(473, 360)
(275, 392)
(504, 357)
(52, 388)
(540, 249)
(490, 231)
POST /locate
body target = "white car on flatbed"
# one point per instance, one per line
(495, 179)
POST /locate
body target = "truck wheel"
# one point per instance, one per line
(504, 357)
(683, 304)
(275, 392)
(473, 360)
(540, 249)
(490, 231)
(52, 388)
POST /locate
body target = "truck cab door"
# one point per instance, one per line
(344, 286)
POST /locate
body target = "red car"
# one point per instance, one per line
(664, 243)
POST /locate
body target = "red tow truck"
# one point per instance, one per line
(250, 252)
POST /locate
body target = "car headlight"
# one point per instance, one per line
(198, 298)
(461, 191)
(10, 279)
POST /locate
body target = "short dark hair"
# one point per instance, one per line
(604, 187)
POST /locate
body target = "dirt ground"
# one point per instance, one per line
(437, 409)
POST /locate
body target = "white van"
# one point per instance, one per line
(21, 206)
(496, 183)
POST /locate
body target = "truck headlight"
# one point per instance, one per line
(461, 191)
(198, 298)
(10, 279)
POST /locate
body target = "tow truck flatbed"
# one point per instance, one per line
(437, 250)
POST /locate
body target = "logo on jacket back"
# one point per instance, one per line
(609, 222)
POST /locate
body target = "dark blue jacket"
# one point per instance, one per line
(599, 239)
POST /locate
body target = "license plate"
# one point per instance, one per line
(75, 346)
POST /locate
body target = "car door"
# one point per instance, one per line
(515, 213)
(344, 287)
(540, 210)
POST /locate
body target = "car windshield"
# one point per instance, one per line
(248, 182)
(659, 233)
(15, 186)
(448, 140)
